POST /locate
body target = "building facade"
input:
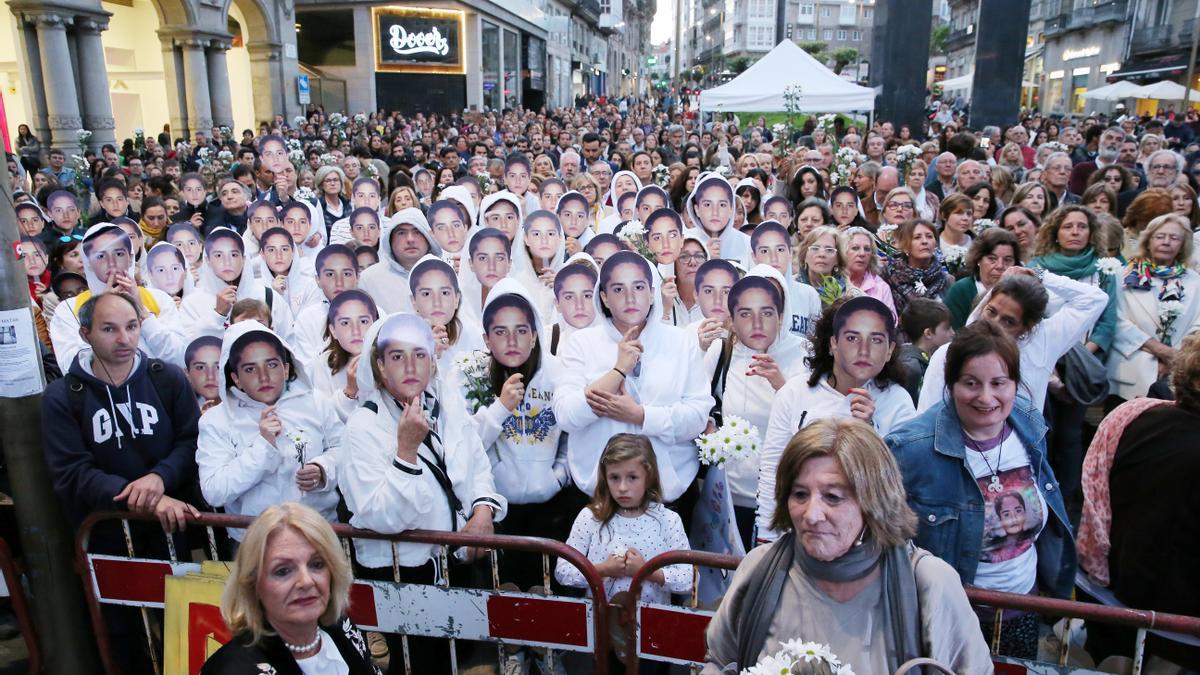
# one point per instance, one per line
(111, 67)
(1083, 46)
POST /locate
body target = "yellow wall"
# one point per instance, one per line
(133, 55)
(17, 108)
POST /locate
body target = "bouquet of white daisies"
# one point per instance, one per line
(736, 439)
(796, 657)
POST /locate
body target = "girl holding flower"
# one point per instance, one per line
(1158, 305)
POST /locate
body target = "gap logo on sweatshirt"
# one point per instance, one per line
(103, 428)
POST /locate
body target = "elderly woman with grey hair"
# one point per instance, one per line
(846, 573)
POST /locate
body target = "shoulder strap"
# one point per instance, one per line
(270, 298)
(160, 379)
(74, 393)
(764, 589)
(717, 385)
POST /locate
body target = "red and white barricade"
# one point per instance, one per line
(489, 615)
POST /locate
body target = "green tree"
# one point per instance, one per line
(740, 64)
(843, 57)
(815, 49)
(938, 38)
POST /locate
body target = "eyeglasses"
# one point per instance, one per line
(1162, 167)
(66, 238)
(900, 205)
(692, 257)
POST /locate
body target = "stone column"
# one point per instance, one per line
(32, 69)
(268, 92)
(195, 75)
(218, 84)
(97, 103)
(175, 85)
(62, 104)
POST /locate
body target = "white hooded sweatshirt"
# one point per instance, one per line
(301, 291)
(242, 471)
(162, 327)
(526, 446)
(387, 282)
(669, 383)
(750, 396)
(565, 329)
(735, 246)
(387, 494)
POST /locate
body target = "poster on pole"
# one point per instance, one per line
(20, 367)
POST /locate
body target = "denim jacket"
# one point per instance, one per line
(949, 504)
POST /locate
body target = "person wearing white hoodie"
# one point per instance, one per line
(279, 266)
(771, 245)
(711, 208)
(538, 253)
(503, 211)
(854, 371)
(167, 271)
(273, 438)
(489, 259)
(438, 299)
(348, 317)
(1017, 303)
(403, 241)
(623, 183)
(108, 266)
(337, 272)
(511, 399)
(306, 224)
(450, 225)
(412, 459)
(572, 210)
(574, 299)
(634, 374)
(225, 278)
(747, 369)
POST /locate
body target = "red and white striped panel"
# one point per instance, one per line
(134, 582)
(672, 634)
(461, 613)
(473, 614)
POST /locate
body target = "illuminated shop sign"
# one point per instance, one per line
(418, 39)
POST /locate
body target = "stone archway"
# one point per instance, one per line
(264, 44)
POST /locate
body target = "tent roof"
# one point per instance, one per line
(762, 86)
(1115, 91)
(1165, 90)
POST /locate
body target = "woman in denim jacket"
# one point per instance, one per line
(976, 475)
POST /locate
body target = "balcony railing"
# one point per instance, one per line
(959, 38)
(1067, 19)
(1150, 39)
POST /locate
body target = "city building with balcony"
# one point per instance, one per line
(1158, 46)
(839, 25)
(1084, 45)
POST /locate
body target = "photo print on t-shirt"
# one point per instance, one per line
(1012, 517)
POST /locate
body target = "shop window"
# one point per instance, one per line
(490, 65)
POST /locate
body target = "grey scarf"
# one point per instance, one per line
(901, 608)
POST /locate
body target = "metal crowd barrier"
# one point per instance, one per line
(655, 632)
(11, 588)
(507, 618)
(674, 634)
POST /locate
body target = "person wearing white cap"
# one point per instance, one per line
(412, 459)
(108, 266)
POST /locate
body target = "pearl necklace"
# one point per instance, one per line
(300, 649)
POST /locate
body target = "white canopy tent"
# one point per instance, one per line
(963, 83)
(762, 86)
(1115, 92)
(1165, 90)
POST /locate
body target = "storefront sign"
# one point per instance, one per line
(1081, 53)
(418, 39)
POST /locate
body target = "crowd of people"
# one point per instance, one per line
(927, 327)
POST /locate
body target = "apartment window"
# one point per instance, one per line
(826, 12)
(827, 34)
(868, 13)
(812, 33)
(806, 9)
(856, 36)
(842, 35)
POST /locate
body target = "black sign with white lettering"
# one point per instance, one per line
(410, 39)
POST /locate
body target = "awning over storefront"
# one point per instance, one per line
(1151, 69)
